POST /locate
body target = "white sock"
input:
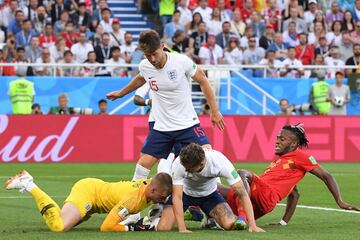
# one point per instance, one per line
(30, 186)
(165, 164)
(140, 172)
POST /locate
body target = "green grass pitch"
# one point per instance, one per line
(20, 219)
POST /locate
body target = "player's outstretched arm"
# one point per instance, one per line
(178, 207)
(245, 201)
(333, 187)
(216, 117)
(291, 203)
(134, 84)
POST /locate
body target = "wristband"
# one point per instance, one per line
(147, 102)
(283, 223)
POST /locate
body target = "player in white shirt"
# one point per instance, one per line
(169, 76)
(195, 174)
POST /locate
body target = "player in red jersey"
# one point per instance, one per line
(280, 178)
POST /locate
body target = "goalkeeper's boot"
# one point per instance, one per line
(240, 224)
(133, 218)
(19, 181)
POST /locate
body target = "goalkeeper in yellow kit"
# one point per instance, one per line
(91, 195)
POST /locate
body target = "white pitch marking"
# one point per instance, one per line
(25, 197)
(321, 208)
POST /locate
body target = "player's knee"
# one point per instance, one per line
(59, 227)
(163, 227)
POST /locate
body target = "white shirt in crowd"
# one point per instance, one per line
(332, 39)
(185, 15)
(107, 26)
(329, 61)
(144, 91)
(49, 70)
(116, 38)
(214, 27)
(206, 52)
(244, 42)
(204, 183)
(116, 71)
(205, 13)
(80, 51)
(291, 63)
(171, 85)
(234, 57)
(128, 49)
(287, 39)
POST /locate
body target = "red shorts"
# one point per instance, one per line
(263, 199)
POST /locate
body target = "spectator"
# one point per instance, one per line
(30, 11)
(304, 51)
(48, 38)
(319, 61)
(60, 25)
(45, 58)
(257, 24)
(128, 48)
(166, 10)
(2, 38)
(244, 41)
(300, 23)
(295, 5)
(211, 53)
(356, 11)
(97, 16)
(237, 25)
(56, 9)
(355, 35)
(339, 95)
(323, 47)
(204, 10)
(106, 21)
(268, 38)
(57, 51)
(181, 43)
(272, 15)
(117, 71)
(295, 70)
(272, 63)
(194, 24)
(319, 31)
(10, 48)
(354, 60)
(21, 93)
(82, 17)
(348, 23)
(214, 24)
(69, 35)
(96, 38)
(232, 53)
(102, 50)
(81, 49)
(33, 52)
(253, 54)
(15, 24)
(62, 108)
(279, 47)
(103, 105)
(36, 109)
(89, 70)
(290, 36)
(334, 60)
(247, 11)
(171, 27)
(284, 108)
(345, 47)
(68, 71)
(116, 35)
(23, 38)
(319, 18)
(198, 39)
(225, 12)
(39, 22)
(7, 13)
(318, 96)
(309, 15)
(222, 39)
(334, 38)
(335, 14)
(185, 13)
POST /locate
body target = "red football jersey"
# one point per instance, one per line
(283, 174)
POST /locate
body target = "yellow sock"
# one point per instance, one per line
(48, 209)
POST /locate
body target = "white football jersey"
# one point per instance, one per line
(142, 92)
(171, 86)
(204, 183)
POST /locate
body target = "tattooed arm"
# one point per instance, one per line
(245, 201)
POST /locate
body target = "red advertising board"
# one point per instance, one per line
(119, 138)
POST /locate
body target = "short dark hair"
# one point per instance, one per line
(68, 52)
(105, 9)
(48, 24)
(177, 11)
(283, 99)
(149, 41)
(299, 133)
(102, 101)
(91, 53)
(20, 49)
(115, 48)
(192, 155)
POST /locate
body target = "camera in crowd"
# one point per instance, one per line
(303, 108)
